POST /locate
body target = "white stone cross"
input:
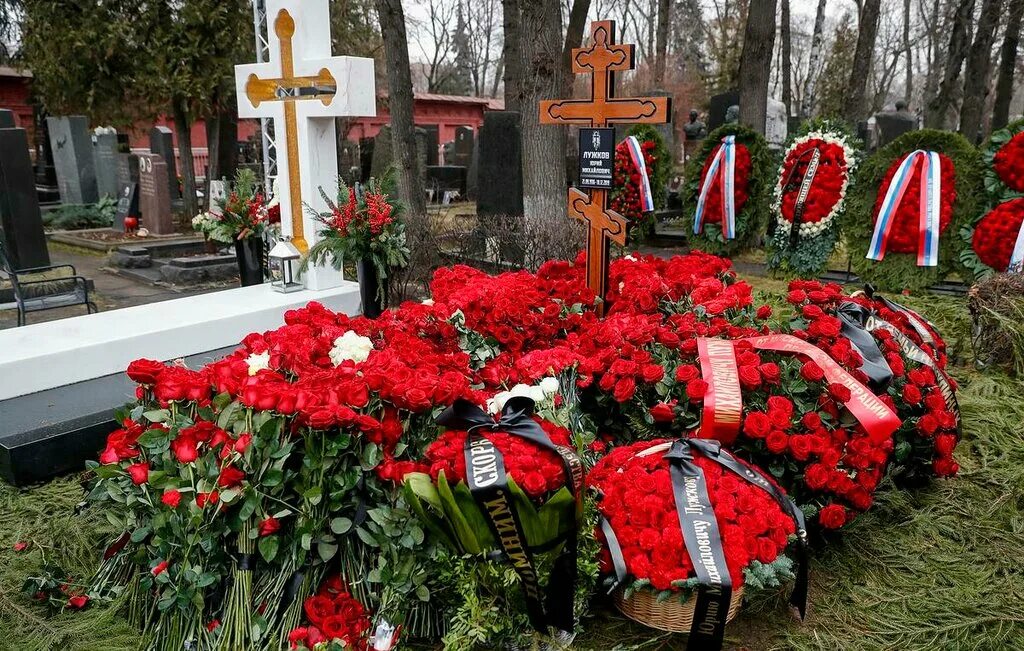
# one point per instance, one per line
(303, 88)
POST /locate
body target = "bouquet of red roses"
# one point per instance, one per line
(336, 620)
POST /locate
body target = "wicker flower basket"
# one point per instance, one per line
(670, 615)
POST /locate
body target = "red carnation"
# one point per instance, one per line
(171, 498)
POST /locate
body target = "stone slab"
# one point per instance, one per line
(51, 432)
(21, 225)
(56, 353)
(71, 144)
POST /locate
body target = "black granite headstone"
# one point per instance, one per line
(893, 124)
(446, 177)
(71, 143)
(161, 141)
(462, 150)
(433, 142)
(365, 158)
(718, 106)
(21, 225)
(500, 182)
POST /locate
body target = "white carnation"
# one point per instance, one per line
(350, 346)
(258, 362)
(549, 385)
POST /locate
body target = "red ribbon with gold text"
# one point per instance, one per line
(877, 418)
(723, 402)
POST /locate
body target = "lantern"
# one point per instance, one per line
(286, 257)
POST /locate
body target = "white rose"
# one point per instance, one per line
(549, 385)
(258, 362)
(350, 346)
(427, 301)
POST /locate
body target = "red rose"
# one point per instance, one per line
(945, 444)
(770, 372)
(796, 296)
(911, 394)
(139, 473)
(816, 476)
(652, 373)
(20, 546)
(663, 413)
(750, 378)
(212, 625)
(687, 372)
(230, 477)
(269, 526)
(78, 601)
(839, 392)
(764, 312)
(145, 371)
(159, 568)
(202, 499)
(757, 425)
(832, 516)
(185, 448)
(171, 498)
(624, 389)
(945, 467)
(811, 372)
(242, 443)
(696, 389)
(777, 442)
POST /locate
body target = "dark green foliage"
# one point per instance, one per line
(70, 217)
(752, 219)
(899, 271)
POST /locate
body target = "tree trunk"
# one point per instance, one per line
(512, 54)
(661, 55)
(544, 146)
(183, 127)
(1007, 65)
(867, 29)
(938, 107)
(755, 63)
(573, 39)
(787, 58)
(908, 84)
(403, 135)
(813, 61)
(931, 78)
(976, 74)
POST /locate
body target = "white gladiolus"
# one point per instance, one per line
(258, 362)
(350, 346)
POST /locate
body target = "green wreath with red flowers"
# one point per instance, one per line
(961, 186)
(754, 177)
(990, 239)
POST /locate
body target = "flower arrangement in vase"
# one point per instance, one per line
(362, 224)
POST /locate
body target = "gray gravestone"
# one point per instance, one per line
(666, 129)
(218, 196)
(127, 189)
(473, 173)
(348, 161)
(161, 142)
(154, 199)
(719, 106)
(7, 119)
(891, 125)
(500, 175)
(776, 123)
(105, 148)
(21, 226)
(72, 157)
(382, 155)
(433, 141)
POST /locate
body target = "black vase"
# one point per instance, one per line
(373, 305)
(249, 252)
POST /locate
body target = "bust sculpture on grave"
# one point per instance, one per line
(732, 114)
(695, 129)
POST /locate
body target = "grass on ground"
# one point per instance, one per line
(937, 567)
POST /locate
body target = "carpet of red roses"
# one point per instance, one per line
(639, 361)
(904, 235)
(828, 180)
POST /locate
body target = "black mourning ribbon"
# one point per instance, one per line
(854, 318)
(916, 320)
(488, 483)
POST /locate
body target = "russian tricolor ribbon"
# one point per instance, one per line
(637, 154)
(1017, 258)
(929, 213)
(723, 170)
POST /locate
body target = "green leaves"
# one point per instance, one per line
(268, 547)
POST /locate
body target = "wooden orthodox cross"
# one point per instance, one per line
(303, 88)
(601, 60)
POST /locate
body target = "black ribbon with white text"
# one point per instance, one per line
(488, 483)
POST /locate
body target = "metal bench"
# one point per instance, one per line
(52, 287)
